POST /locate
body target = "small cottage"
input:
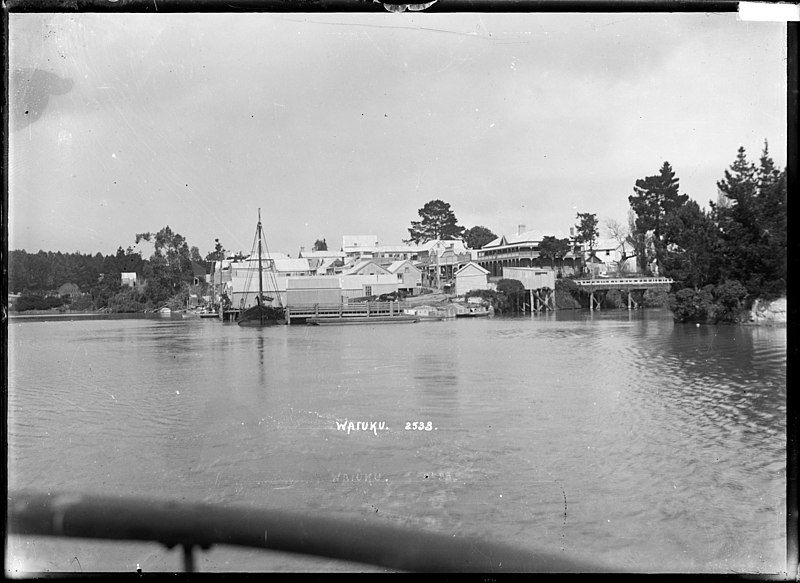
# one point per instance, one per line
(409, 277)
(471, 276)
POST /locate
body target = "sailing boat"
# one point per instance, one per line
(262, 314)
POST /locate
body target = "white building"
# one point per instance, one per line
(409, 277)
(471, 276)
(367, 247)
(277, 268)
(531, 277)
(366, 267)
(130, 278)
(439, 246)
(309, 291)
(522, 250)
(357, 245)
(606, 257)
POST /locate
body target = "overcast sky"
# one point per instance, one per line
(341, 124)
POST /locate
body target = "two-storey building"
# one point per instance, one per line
(522, 250)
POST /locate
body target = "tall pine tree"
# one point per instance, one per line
(654, 198)
(753, 225)
(438, 222)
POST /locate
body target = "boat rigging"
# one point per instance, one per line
(262, 314)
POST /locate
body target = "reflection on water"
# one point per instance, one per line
(622, 436)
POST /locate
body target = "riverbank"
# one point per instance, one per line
(433, 299)
(767, 313)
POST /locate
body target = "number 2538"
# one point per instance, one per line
(419, 425)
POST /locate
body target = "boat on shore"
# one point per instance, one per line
(334, 321)
(427, 313)
(473, 312)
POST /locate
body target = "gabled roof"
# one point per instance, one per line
(264, 255)
(321, 254)
(442, 244)
(603, 244)
(292, 265)
(325, 264)
(395, 265)
(473, 264)
(530, 236)
(361, 265)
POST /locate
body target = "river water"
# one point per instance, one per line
(622, 437)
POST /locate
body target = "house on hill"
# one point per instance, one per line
(609, 256)
(129, 278)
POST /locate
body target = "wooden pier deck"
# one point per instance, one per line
(626, 284)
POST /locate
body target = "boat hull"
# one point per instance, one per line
(262, 316)
(259, 324)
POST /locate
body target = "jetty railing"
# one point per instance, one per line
(624, 282)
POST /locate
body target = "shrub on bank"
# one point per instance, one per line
(510, 287)
(127, 301)
(729, 298)
(724, 302)
(567, 294)
(31, 302)
(655, 299)
(82, 303)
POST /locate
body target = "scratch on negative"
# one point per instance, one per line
(563, 534)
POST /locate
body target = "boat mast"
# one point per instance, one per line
(260, 283)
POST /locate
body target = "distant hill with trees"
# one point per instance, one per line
(48, 279)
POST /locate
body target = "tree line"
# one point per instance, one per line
(86, 281)
(721, 258)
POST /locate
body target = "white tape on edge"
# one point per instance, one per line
(769, 12)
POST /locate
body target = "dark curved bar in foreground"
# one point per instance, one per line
(202, 525)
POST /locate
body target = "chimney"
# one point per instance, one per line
(520, 229)
(302, 249)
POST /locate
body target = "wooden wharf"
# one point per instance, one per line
(229, 315)
(625, 284)
(299, 314)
